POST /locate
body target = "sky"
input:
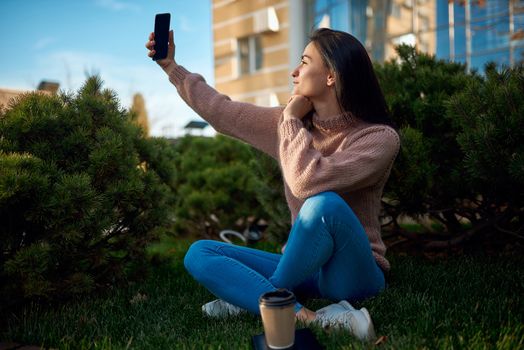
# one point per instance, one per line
(67, 40)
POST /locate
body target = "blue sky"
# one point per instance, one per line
(63, 40)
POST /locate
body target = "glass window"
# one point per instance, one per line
(321, 5)
(243, 53)
(380, 24)
(395, 9)
(250, 55)
(339, 16)
(424, 23)
(358, 19)
(258, 54)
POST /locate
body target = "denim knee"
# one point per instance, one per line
(322, 204)
(194, 260)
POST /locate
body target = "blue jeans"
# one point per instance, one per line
(328, 255)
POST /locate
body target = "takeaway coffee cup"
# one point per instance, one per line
(277, 309)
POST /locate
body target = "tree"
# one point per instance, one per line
(81, 193)
(140, 113)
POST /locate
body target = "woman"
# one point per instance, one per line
(336, 145)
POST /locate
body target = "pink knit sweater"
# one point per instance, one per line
(344, 155)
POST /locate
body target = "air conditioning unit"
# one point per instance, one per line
(266, 20)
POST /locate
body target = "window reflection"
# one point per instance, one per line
(469, 31)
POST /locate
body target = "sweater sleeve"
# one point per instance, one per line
(362, 163)
(252, 124)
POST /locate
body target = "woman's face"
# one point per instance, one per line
(311, 77)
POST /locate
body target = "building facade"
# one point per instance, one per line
(258, 42)
(251, 49)
(7, 95)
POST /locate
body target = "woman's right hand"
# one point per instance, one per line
(170, 59)
(297, 107)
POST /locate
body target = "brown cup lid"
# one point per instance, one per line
(277, 298)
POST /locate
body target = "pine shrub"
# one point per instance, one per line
(490, 115)
(461, 159)
(215, 186)
(81, 194)
(270, 194)
(428, 174)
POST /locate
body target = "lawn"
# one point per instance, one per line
(474, 302)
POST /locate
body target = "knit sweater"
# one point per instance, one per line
(341, 154)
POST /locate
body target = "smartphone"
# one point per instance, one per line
(161, 35)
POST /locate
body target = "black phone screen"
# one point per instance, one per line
(161, 35)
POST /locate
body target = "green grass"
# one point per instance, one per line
(460, 303)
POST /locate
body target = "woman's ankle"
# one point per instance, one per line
(306, 315)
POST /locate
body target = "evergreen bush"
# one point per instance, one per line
(427, 176)
(270, 194)
(460, 163)
(490, 115)
(215, 186)
(81, 193)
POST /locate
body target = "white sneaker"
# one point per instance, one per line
(220, 308)
(358, 322)
(334, 309)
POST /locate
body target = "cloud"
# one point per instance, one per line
(167, 112)
(185, 24)
(117, 5)
(43, 43)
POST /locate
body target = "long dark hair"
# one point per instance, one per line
(357, 88)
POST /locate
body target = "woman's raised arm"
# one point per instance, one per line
(252, 124)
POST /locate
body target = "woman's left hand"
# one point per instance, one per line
(297, 107)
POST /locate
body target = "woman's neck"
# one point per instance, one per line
(327, 108)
